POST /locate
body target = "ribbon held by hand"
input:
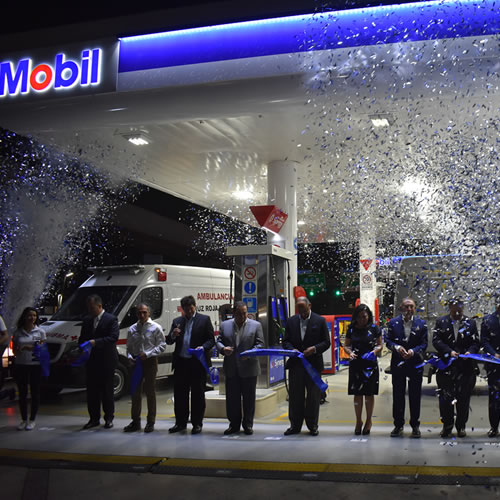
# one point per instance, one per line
(212, 371)
(316, 378)
(85, 349)
(136, 376)
(41, 354)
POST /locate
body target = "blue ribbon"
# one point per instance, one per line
(369, 356)
(41, 354)
(86, 348)
(443, 365)
(316, 378)
(212, 371)
(136, 376)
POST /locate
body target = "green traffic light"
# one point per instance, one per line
(337, 293)
(311, 293)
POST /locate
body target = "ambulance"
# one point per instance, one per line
(122, 288)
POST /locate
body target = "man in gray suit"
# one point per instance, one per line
(238, 335)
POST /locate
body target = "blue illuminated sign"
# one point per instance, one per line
(349, 28)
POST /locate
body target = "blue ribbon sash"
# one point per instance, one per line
(41, 354)
(212, 371)
(316, 378)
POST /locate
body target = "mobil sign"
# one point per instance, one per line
(59, 72)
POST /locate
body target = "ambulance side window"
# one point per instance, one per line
(153, 297)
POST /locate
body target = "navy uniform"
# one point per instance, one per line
(457, 381)
(412, 335)
(490, 341)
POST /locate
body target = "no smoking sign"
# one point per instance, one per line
(250, 273)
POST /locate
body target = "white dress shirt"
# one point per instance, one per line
(145, 337)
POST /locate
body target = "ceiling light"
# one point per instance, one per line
(243, 195)
(138, 140)
(382, 120)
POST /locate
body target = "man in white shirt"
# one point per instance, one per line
(145, 342)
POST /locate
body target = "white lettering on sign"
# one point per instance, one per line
(22, 77)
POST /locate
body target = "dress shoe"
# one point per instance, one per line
(196, 429)
(90, 424)
(493, 433)
(150, 427)
(132, 427)
(366, 429)
(108, 424)
(291, 430)
(231, 430)
(461, 433)
(397, 432)
(314, 431)
(446, 432)
(177, 428)
(248, 431)
(415, 433)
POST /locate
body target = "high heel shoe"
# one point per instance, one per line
(357, 429)
(367, 428)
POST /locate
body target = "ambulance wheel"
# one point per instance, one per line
(120, 381)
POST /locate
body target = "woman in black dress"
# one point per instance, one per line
(363, 342)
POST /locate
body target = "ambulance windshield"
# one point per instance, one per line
(113, 300)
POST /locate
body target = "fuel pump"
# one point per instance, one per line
(261, 280)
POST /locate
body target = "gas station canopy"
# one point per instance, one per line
(381, 109)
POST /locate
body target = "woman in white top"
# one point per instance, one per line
(27, 369)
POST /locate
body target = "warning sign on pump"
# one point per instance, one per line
(251, 303)
(250, 288)
(250, 273)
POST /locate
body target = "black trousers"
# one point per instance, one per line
(189, 376)
(100, 374)
(494, 397)
(28, 375)
(455, 385)
(238, 390)
(399, 377)
(304, 398)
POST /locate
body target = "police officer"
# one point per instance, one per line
(455, 334)
(406, 337)
(490, 341)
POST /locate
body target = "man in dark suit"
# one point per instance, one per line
(101, 330)
(490, 341)
(236, 336)
(406, 337)
(455, 334)
(305, 332)
(192, 330)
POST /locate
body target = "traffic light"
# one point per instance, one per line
(338, 293)
(311, 293)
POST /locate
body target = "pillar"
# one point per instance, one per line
(282, 192)
(367, 269)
